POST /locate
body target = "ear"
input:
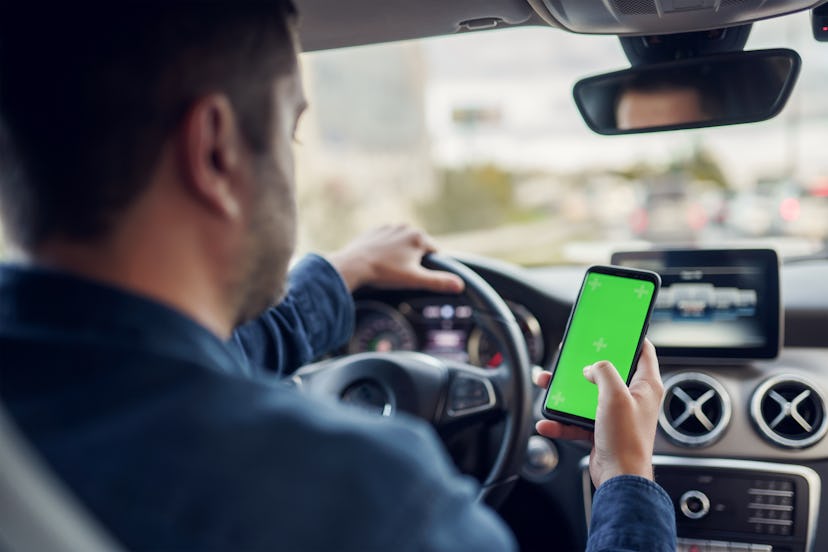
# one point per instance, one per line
(211, 155)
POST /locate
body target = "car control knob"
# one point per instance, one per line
(541, 458)
(694, 504)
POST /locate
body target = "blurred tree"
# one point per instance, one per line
(702, 166)
(639, 171)
(470, 198)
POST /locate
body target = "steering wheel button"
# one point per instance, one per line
(468, 393)
(459, 404)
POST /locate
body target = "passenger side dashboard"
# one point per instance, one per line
(744, 489)
(742, 436)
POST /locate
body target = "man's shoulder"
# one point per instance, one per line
(319, 433)
(214, 459)
(172, 454)
(377, 481)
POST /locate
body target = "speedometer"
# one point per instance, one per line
(380, 328)
(483, 351)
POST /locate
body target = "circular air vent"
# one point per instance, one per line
(696, 409)
(789, 411)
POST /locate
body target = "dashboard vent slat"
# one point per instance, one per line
(789, 412)
(695, 411)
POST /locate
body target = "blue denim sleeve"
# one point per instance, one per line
(315, 317)
(630, 513)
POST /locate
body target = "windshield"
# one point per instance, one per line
(477, 139)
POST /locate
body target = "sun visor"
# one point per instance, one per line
(633, 17)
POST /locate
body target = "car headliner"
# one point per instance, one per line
(329, 24)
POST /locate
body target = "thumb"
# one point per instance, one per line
(606, 377)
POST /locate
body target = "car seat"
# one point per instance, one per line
(36, 512)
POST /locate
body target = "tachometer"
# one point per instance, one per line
(380, 328)
(483, 351)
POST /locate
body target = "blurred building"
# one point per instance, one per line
(364, 155)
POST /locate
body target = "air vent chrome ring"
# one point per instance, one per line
(694, 407)
(790, 404)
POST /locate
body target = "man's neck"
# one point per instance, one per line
(154, 272)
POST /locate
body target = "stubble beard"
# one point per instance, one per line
(271, 241)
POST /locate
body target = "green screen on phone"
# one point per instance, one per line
(606, 325)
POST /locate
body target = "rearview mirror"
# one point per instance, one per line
(724, 89)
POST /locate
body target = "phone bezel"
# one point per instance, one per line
(611, 270)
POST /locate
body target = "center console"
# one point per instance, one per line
(733, 505)
(721, 310)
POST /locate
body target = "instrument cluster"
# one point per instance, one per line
(443, 327)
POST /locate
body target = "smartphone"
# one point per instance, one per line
(608, 322)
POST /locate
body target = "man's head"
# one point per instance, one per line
(676, 100)
(656, 108)
(107, 109)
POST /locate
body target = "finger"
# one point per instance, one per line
(606, 377)
(647, 369)
(647, 375)
(541, 379)
(557, 430)
(425, 242)
(437, 280)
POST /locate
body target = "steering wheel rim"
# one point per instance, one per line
(446, 393)
(492, 313)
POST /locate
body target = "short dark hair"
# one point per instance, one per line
(89, 92)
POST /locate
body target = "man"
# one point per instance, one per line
(147, 186)
(672, 100)
(649, 109)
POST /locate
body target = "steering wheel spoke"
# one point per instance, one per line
(473, 393)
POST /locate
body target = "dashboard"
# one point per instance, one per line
(441, 326)
(740, 474)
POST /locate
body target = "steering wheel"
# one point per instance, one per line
(442, 392)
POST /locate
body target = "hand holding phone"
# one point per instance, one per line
(625, 425)
(608, 322)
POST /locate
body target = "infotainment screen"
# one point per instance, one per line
(714, 304)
